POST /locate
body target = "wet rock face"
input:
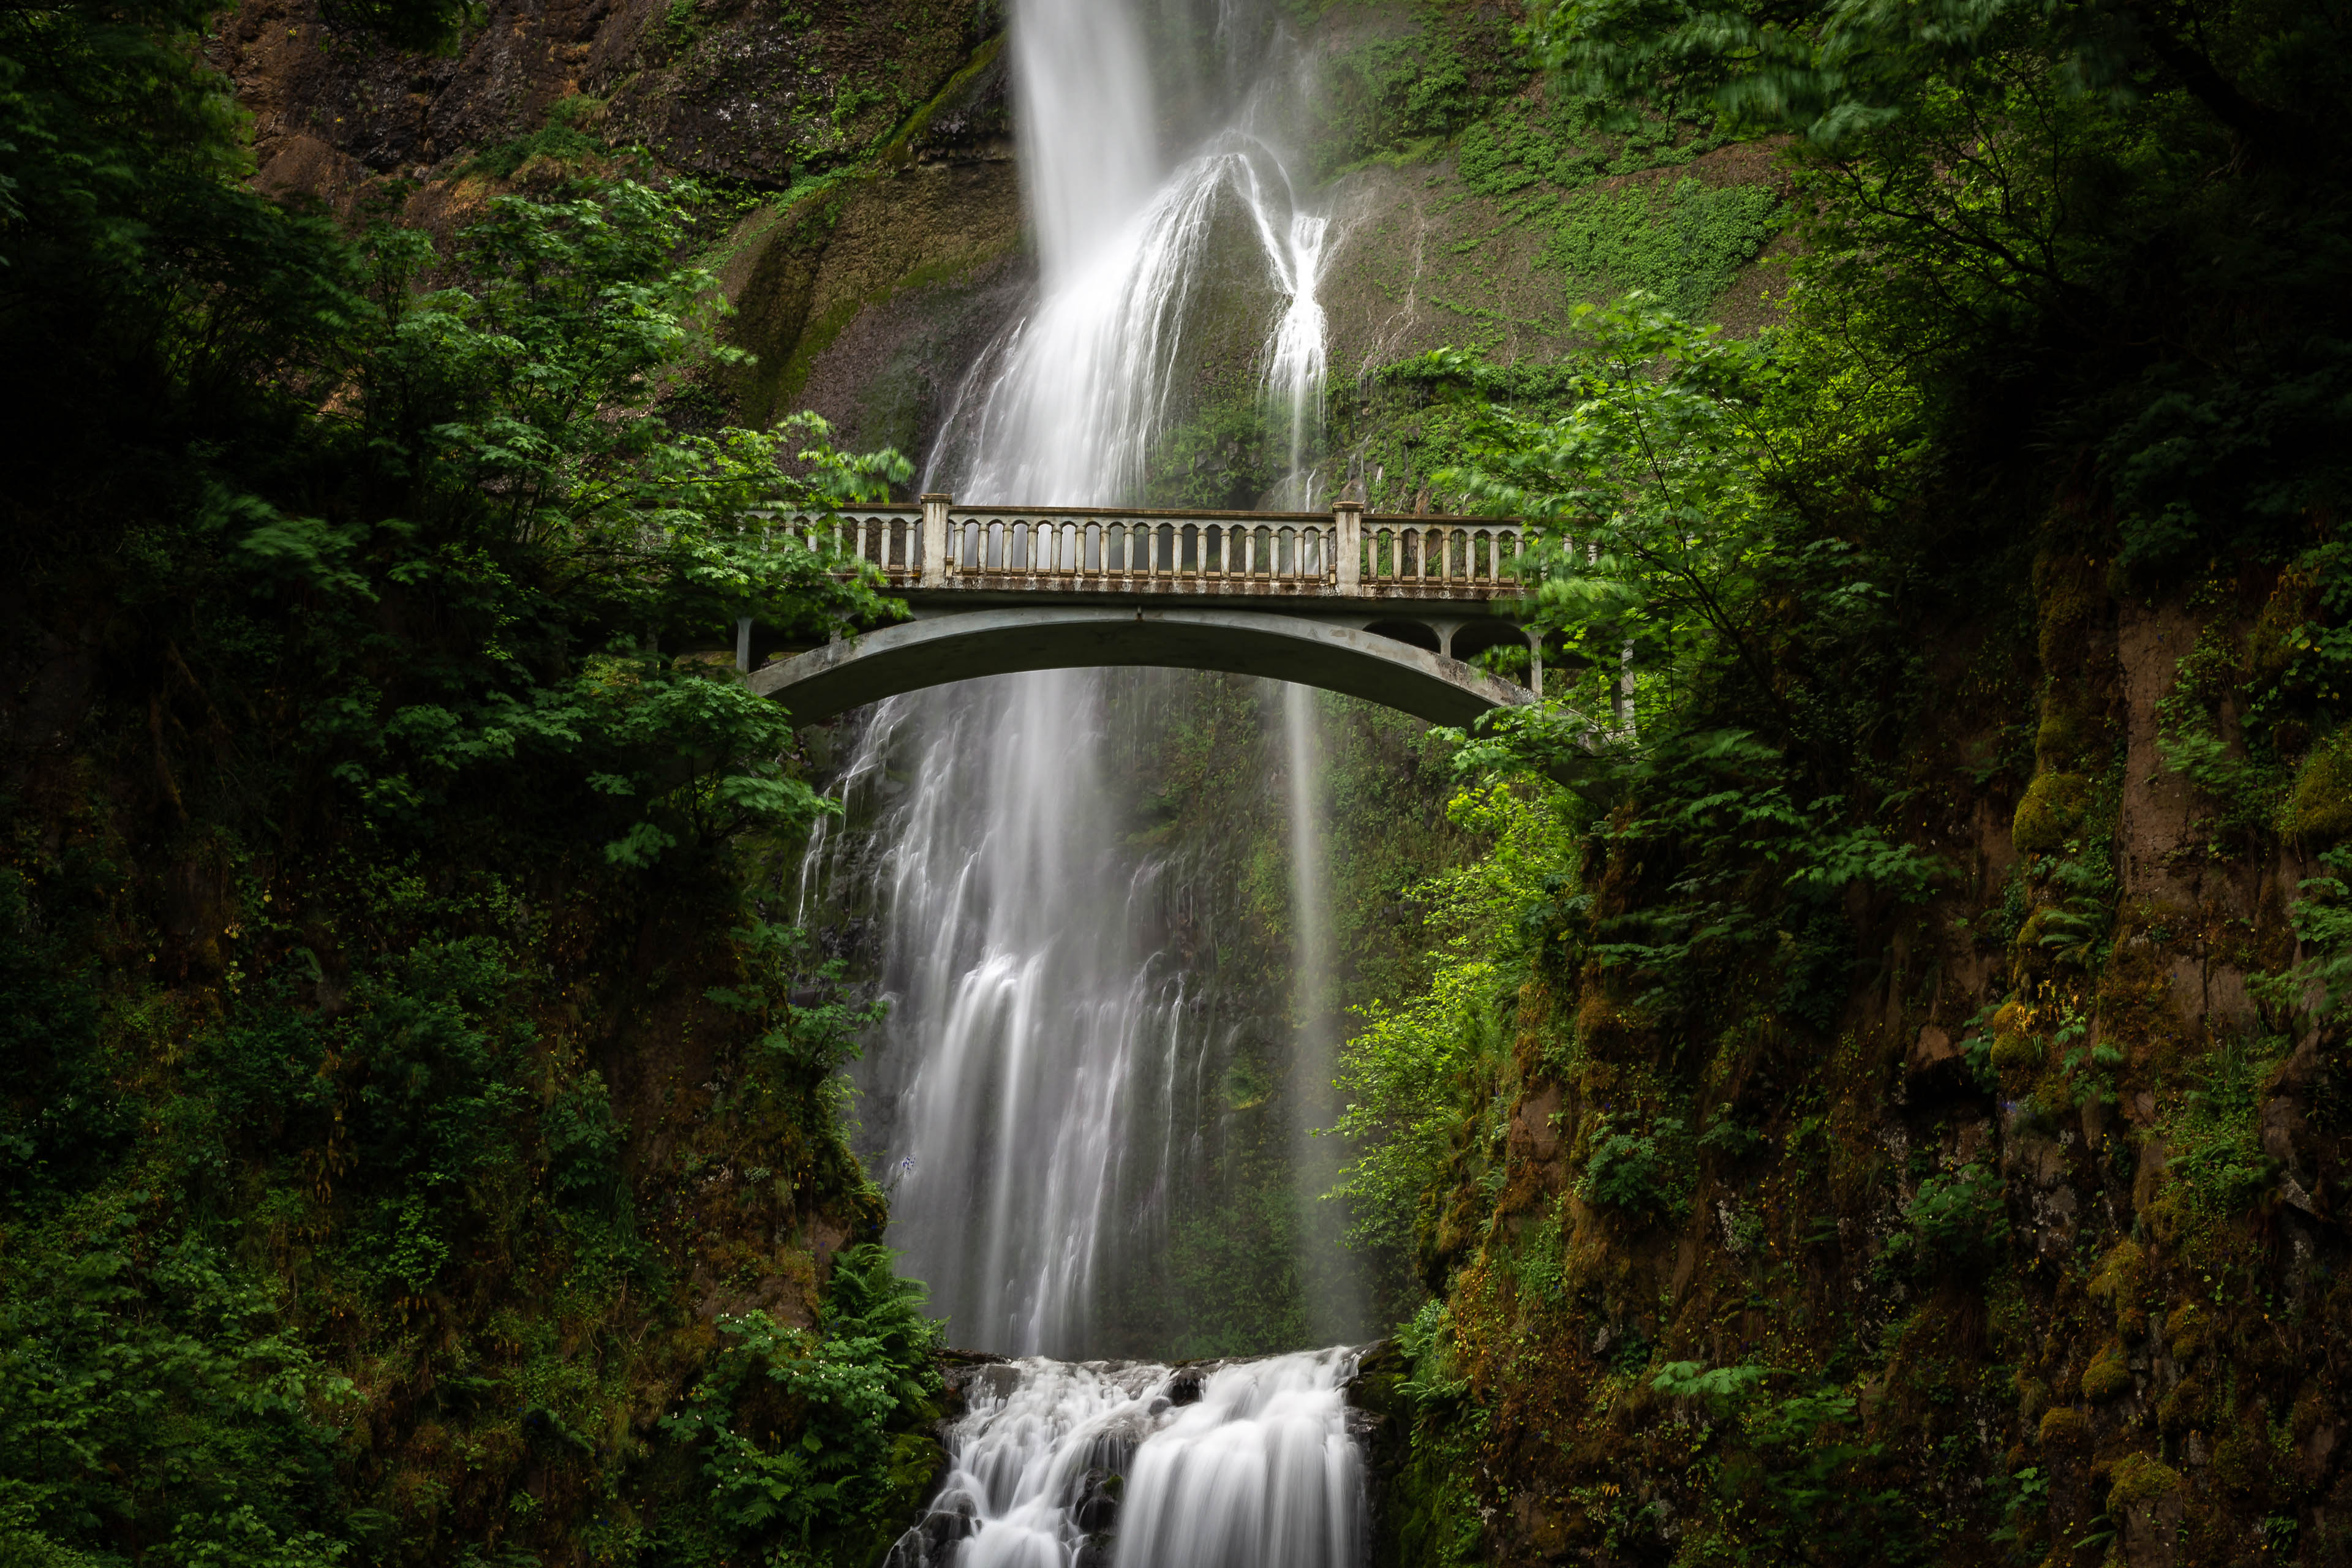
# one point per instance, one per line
(1097, 1509)
(744, 91)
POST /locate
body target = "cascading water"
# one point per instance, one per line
(1038, 1059)
(1238, 1464)
(1044, 1064)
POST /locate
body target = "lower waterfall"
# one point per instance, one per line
(1239, 1464)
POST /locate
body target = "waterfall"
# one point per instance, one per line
(1238, 1464)
(1066, 407)
(1038, 1059)
(1049, 1054)
(1336, 1303)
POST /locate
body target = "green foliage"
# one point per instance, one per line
(2217, 1139)
(1403, 96)
(1678, 244)
(1644, 1175)
(1427, 1341)
(1422, 1082)
(161, 1401)
(433, 1108)
(1405, 1079)
(794, 1426)
(372, 545)
(1954, 1224)
(2029, 179)
(1666, 498)
(561, 139)
(1791, 1481)
(2322, 919)
(64, 1115)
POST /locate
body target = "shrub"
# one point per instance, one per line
(1954, 1225)
(795, 1427)
(1642, 1175)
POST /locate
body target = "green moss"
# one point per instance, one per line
(2186, 1407)
(2052, 811)
(2062, 739)
(2107, 1376)
(2319, 809)
(896, 151)
(2139, 1479)
(2016, 1051)
(1681, 244)
(2033, 1398)
(2122, 1277)
(2065, 1430)
(2185, 1331)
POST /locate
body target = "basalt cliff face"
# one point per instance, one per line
(865, 148)
(2035, 1247)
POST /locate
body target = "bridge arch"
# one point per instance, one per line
(936, 650)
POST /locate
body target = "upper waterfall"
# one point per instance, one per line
(1088, 162)
(1052, 1057)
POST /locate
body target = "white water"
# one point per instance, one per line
(1336, 1309)
(1051, 1046)
(1243, 1465)
(1040, 1051)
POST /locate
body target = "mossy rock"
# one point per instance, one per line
(2032, 1397)
(2016, 1052)
(2052, 811)
(2066, 1429)
(2185, 1331)
(2121, 1279)
(2185, 1408)
(2320, 810)
(2062, 740)
(2138, 1479)
(2107, 1376)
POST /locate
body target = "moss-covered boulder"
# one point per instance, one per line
(2052, 812)
(2109, 1376)
(2065, 1430)
(2319, 812)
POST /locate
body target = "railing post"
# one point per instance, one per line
(935, 540)
(1348, 521)
(743, 643)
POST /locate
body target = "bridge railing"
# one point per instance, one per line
(1343, 551)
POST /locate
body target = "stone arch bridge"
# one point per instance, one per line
(1385, 607)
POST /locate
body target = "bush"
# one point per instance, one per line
(1954, 1224)
(796, 1428)
(1642, 1176)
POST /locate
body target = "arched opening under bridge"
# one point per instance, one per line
(1362, 660)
